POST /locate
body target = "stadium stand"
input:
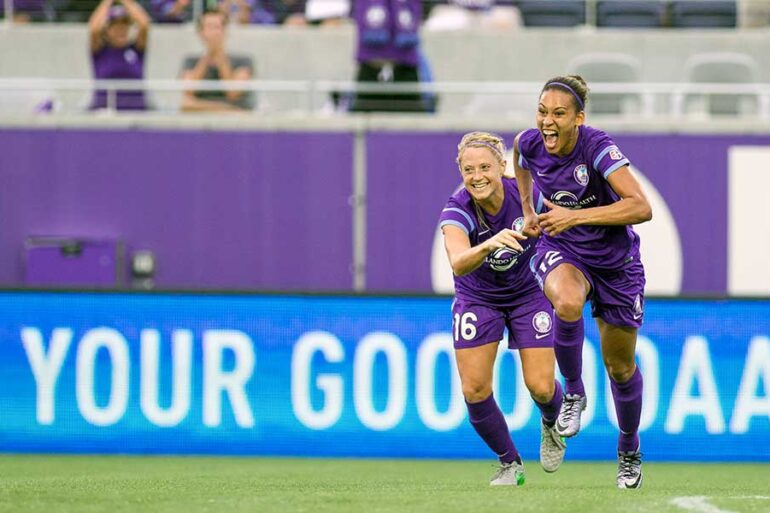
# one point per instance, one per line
(720, 68)
(611, 67)
(700, 14)
(632, 13)
(553, 13)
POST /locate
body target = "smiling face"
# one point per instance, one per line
(558, 120)
(482, 174)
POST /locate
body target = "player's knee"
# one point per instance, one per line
(620, 371)
(475, 392)
(541, 387)
(568, 308)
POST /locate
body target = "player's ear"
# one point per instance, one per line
(580, 118)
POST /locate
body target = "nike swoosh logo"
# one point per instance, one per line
(538, 336)
(541, 174)
(637, 317)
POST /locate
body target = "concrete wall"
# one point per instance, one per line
(59, 51)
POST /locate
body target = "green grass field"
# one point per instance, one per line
(260, 485)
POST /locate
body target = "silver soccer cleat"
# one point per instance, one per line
(568, 423)
(508, 474)
(629, 470)
(552, 448)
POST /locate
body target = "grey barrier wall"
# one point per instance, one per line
(60, 51)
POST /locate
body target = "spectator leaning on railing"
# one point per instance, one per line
(216, 64)
(115, 54)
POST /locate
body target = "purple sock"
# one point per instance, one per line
(568, 346)
(550, 410)
(628, 406)
(489, 423)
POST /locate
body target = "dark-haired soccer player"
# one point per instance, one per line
(587, 250)
(494, 290)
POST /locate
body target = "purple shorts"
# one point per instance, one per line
(529, 323)
(617, 295)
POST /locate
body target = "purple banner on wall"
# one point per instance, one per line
(219, 209)
(411, 176)
(258, 210)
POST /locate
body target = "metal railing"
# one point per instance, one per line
(30, 96)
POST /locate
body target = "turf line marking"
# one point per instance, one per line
(698, 503)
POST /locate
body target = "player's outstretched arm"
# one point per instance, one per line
(465, 258)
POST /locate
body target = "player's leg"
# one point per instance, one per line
(538, 368)
(618, 305)
(475, 353)
(475, 366)
(530, 330)
(566, 286)
(618, 349)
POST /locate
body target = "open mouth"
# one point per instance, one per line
(478, 187)
(550, 138)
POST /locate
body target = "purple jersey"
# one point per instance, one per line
(110, 62)
(504, 276)
(579, 180)
(388, 30)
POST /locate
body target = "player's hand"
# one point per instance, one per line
(531, 227)
(556, 220)
(506, 238)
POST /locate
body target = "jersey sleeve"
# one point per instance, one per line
(525, 146)
(454, 215)
(607, 157)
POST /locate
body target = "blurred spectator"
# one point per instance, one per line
(289, 12)
(388, 52)
(328, 12)
(216, 64)
(473, 14)
(77, 11)
(115, 54)
(753, 13)
(25, 11)
(247, 11)
(170, 11)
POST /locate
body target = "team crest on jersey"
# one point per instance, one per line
(502, 259)
(615, 154)
(541, 322)
(518, 224)
(581, 174)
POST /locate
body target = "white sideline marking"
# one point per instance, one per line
(698, 503)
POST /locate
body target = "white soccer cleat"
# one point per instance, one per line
(508, 474)
(568, 423)
(552, 448)
(629, 470)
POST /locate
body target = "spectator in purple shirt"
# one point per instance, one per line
(587, 250)
(170, 11)
(115, 54)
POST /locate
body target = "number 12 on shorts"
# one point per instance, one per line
(550, 258)
(463, 326)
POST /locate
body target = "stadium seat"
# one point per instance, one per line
(553, 13)
(611, 67)
(720, 68)
(631, 13)
(703, 14)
